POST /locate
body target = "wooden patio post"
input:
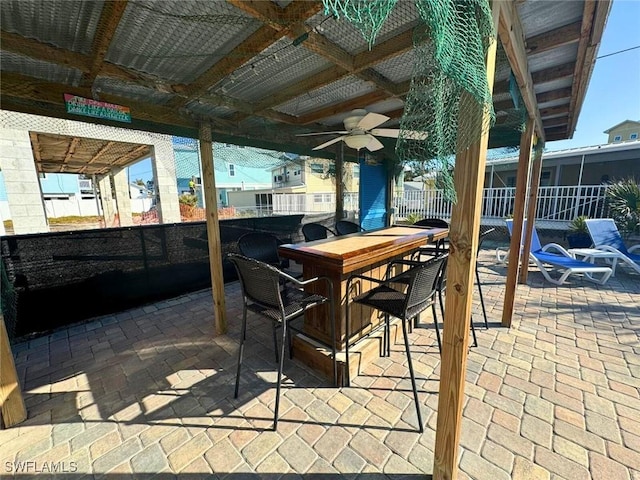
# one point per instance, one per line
(213, 228)
(12, 409)
(531, 209)
(340, 181)
(522, 181)
(464, 230)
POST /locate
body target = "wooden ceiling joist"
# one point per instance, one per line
(555, 38)
(511, 35)
(554, 111)
(553, 95)
(554, 73)
(359, 102)
(112, 12)
(70, 151)
(594, 17)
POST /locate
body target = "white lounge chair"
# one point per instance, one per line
(562, 261)
(605, 236)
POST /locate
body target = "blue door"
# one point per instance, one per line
(373, 196)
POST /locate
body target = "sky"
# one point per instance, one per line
(613, 94)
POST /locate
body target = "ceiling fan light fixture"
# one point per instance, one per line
(357, 141)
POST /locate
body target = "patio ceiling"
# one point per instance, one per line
(261, 72)
(65, 154)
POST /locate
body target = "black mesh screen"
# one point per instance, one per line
(54, 279)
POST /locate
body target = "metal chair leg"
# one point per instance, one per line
(435, 325)
(243, 335)
(280, 365)
(347, 380)
(275, 341)
(333, 338)
(413, 378)
(473, 332)
(484, 310)
(388, 329)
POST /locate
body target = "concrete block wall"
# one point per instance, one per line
(21, 182)
(164, 160)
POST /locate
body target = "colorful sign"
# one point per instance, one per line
(93, 108)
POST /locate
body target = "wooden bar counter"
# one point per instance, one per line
(366, 253)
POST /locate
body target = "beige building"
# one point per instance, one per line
(627, 131)
(312, 179)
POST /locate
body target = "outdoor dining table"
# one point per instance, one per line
(367, 253)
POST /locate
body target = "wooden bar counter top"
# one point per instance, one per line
(366, 253)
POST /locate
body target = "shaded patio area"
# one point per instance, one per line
(150, 391)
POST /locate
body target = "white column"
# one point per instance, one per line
(21, 182)
(123, 199)
(108, 210)
(164, 175)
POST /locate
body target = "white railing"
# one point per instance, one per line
(554, 203)
(311, 202)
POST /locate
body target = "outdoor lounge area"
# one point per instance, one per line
(149, 392)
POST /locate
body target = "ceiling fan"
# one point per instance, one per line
(361, 132)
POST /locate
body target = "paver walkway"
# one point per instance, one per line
(151, 391)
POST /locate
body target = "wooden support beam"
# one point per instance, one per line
(531, 211)
(463, 237)
(594, 18)
(522, 180)
(559, 111)
(358, 102)
(12, 409)
(213, 229)
(564, 35)
(112, 12)
(553, 73)
(511, 34)
(555, 122)
(70, 151)
(554, 95)
(339, 181)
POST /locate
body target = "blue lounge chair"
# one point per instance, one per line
(605, 236)
(561, 261)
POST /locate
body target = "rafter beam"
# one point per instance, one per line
(511, 35)
(251, 46)
(37, 149)
(110, 17)
(335, 54)
(14, 43)
(554, 111)
(553, 39)
(553, 95)
(358, 102)
(594, 18)
(554, 73)
(70, 152)
(556, 122)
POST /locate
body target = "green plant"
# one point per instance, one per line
(579, 225)
(188, 199)
(623, 200)
(413, 218)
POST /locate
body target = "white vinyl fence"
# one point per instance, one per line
(554, 203)
(292, 203)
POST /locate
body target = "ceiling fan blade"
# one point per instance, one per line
(395, 133)
(342, 132)
(385, 132)
(371, 120)
(374, 145)
(326, 144)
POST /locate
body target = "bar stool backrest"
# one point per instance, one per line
(260, 281)
(315, 231)
(261, 246)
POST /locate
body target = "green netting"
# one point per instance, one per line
(449, 92)
(367, 15)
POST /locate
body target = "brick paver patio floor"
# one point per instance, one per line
(151, 391)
